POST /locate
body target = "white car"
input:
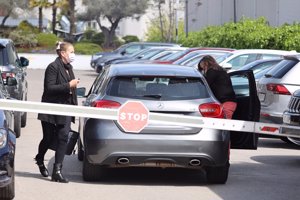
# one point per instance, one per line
(242, 57)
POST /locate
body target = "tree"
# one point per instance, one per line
(55, 5)
(8, 7)
(166, 18)
(40, 4)
(114, 11)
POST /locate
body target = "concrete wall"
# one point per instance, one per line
(217, 12)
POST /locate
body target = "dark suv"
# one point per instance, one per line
(292, 116)
(13, 66)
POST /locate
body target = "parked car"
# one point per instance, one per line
(291, 115)
(13, 66)
(261, 67)
(276, 86)
(140, 56)
(127, 49)
(7, 146)
(169, 89)
(189, 53)
(242, 57)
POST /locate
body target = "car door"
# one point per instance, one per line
(248, 108)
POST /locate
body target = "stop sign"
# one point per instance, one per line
(133, 116)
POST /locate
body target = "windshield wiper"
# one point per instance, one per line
(155, 96)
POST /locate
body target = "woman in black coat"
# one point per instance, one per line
(59, 87)
(220, 84)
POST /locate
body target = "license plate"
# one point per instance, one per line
(286, 119)
(261, 96)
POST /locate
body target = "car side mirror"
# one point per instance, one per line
(11, 81)
(227, 66)
(81, 92)
(123, 53)
(24, 62)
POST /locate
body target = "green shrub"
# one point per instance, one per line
(130, 38)
(98, 38)
(27, 27)
(87, 48)
(88, 35)
(47, 39)
(23, 39)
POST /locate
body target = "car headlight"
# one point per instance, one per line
(3, 138)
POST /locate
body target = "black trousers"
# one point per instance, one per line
(51, 132)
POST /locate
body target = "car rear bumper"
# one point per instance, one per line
(105, 145)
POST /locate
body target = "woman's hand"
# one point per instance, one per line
(73, 83)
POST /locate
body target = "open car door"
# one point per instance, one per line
(248, 108)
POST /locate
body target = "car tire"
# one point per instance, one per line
(242, 140)
(293, 140)
(217, 174)
(8, 192)
(92, 172)
(23, 120)
(80, 153)
(17, 124)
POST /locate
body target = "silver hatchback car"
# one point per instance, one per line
(168, 89)
(276, 88)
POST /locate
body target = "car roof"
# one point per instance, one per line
(4, 42)
(149, 69)
(271, 51)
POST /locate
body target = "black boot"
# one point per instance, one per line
(57, 175)
(43, 170)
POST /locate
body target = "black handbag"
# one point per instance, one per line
(72, 140)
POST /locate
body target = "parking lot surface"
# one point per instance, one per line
(271, 172)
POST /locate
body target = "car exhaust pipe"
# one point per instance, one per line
(123, 161)
(195, 162)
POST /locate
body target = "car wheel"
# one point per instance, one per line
(242, 140)
(295, 141)
(217, 174)
(91, 172)
(8, 192)
(17, 124)
(80, 150)
(23, 120)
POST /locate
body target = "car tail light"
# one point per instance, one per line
(211, 110)
(278, 89)
(6, 75)
(106, 104)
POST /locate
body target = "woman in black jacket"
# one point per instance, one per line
(220, 84)
(59, 87)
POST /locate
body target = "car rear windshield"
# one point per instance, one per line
(155, 87)
(279, 70)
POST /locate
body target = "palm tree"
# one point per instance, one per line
(40, 4)
(57, 4)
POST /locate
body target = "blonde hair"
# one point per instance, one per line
(62, 46)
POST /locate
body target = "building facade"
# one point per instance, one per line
(202, 13)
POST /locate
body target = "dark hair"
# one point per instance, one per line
(62, 46)
(211, 62)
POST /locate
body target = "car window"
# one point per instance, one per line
(12, 55)
(133, 48)
(98, 82)
(2, 56)
(280, 69)
(240, 85)
(242, 60)
(269, 56)
(155, 87)
(263, 66)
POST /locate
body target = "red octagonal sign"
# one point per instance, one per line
(133, 116)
